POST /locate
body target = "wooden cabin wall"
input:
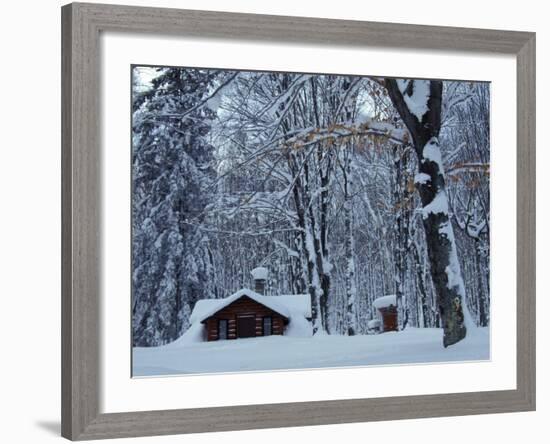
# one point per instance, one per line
(389, 319)
(244, 306)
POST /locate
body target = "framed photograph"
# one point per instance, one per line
(278, 221)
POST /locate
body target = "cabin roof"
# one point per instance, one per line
(385, 301)
(286, 305)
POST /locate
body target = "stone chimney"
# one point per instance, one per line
(259, 275)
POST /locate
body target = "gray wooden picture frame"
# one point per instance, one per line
(81, 231)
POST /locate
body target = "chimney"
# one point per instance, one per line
(259, 275)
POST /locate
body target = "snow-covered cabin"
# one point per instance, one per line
(386, 307)
(247, 314)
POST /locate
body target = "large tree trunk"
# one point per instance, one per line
(419, 105)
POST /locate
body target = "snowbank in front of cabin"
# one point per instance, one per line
(194, 334)
(412, 346)
(298, 327)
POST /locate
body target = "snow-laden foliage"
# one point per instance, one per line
(465, 142)
(171, 169)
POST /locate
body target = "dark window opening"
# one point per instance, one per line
(267, 326)
(222, 329)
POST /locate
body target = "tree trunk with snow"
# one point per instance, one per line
(480, 293)
(401, 229)
(309, 243)
(419, 105)
(351, 290)
(421, 286)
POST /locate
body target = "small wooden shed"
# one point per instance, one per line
(387, 309)
(248, 314)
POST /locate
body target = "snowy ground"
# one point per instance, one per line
(280, 352)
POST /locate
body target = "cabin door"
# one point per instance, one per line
(390, 321)
(246, 326)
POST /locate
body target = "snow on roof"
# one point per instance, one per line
(288, 305)
(385, 301)
(297, 304)
(259, 273)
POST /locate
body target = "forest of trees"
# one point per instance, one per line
(346, 188)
